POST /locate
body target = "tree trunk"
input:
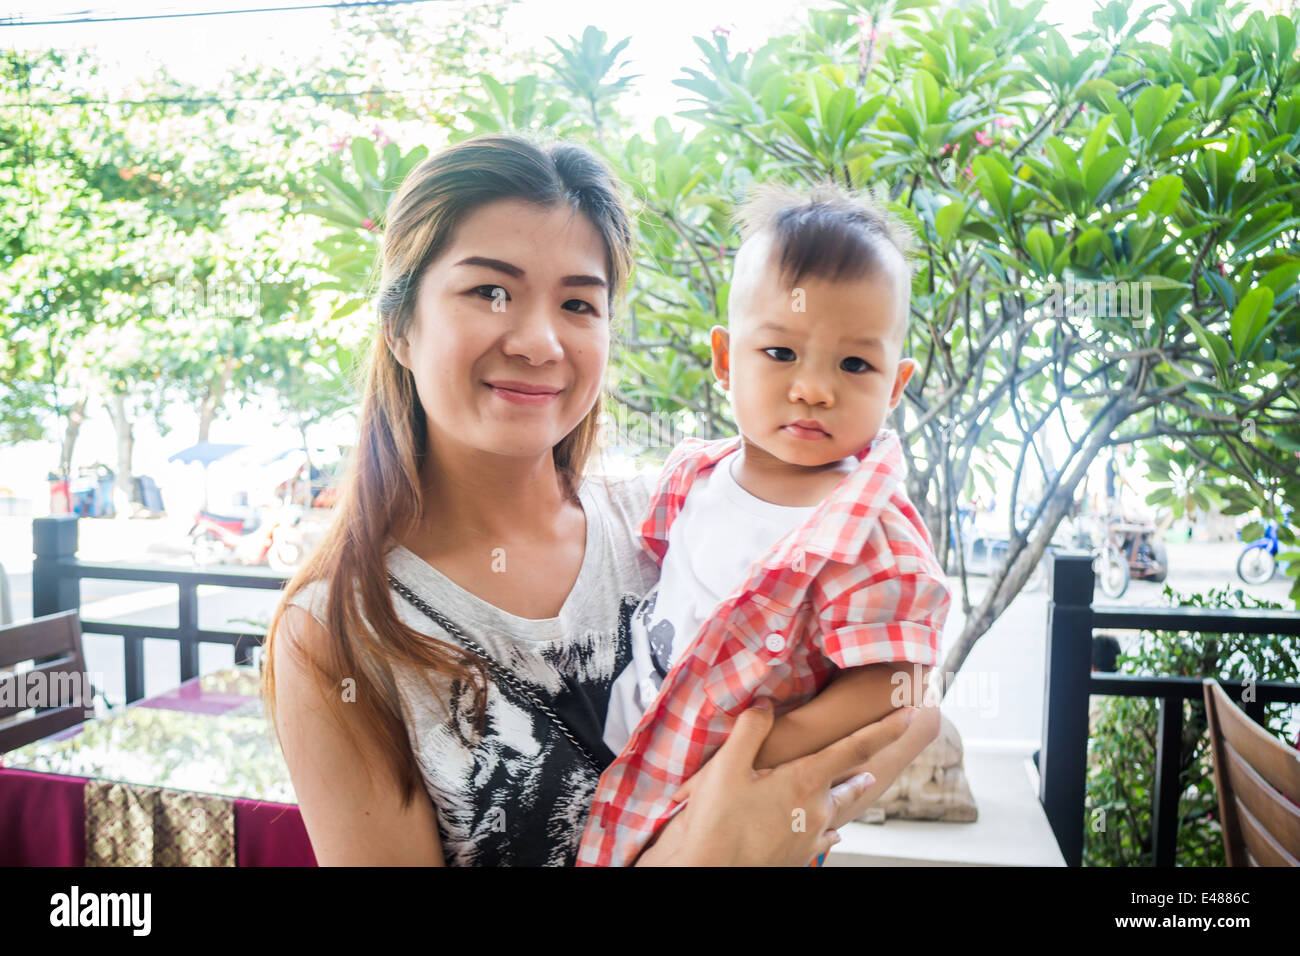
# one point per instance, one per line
(214, 396)
(1005, 584)
(125, 480)
(76, 416)
(302, 430)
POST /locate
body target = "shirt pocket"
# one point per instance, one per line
(756, 653)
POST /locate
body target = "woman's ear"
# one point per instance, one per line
(400, 348)
(720, 342)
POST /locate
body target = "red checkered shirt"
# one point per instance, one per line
(858, 583)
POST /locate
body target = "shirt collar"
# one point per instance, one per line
(837, 530)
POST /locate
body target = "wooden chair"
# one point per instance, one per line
(55, 636)
(1258, 781)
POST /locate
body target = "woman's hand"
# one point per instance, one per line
(784, 816)
(890, 761)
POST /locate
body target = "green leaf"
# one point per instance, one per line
(837, 111)
(1250, 320)
(926, 90)
(994, 183)
(1215, 347)
(1039, 244)
(794, 125)
(1096, 140)
(1161, 197)
(347, 308)
(1100, 172)
(1282, 278)
(365, 157)
(948, 219)
(1088, 243)
(1151, 106)
(1158, 282)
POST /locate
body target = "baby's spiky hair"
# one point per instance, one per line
(827, 232)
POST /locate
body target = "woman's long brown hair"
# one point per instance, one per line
(381, 499)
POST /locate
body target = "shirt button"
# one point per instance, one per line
(775, 643)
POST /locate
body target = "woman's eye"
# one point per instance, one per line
(590, 309)
(494, 292)
(784, 354)
(855, 364)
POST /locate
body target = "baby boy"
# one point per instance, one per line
(793, 565)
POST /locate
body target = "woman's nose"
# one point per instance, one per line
(532, 336)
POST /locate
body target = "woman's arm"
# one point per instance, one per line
(350, 803)
(888, 763)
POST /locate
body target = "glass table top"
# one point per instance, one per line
(209, 735)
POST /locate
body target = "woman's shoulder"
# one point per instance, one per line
(625, 497)
(312, 597)
(625, 502)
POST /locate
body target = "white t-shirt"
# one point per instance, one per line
(721, 530)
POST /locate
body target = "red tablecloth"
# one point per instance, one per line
(43, 815)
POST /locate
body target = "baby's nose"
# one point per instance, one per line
(811, 391)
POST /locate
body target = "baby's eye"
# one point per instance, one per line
(786, 355)
(494, 292)
(855, 364)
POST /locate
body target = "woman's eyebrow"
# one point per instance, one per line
(517, 273)
(513, 271)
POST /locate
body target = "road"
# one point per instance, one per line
(996, 699)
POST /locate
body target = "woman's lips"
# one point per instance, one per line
(809, 433)
(519, 393)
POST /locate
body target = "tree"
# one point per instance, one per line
(1108, 247)
(1108, 251)
(1031, 172)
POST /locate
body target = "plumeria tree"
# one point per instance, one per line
(1108, 251)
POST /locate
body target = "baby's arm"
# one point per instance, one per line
(854, 698)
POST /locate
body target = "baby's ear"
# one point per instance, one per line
(906, 366)
(720, 342)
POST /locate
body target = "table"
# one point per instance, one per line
(190, 777)
(1012, 829)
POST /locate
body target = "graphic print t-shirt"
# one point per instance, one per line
(520, 794)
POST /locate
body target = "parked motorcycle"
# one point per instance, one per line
(1123, 549)
(263, 539)
(1258, 561)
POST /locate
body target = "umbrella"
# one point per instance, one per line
(205, 453)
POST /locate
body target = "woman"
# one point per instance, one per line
(466, 508)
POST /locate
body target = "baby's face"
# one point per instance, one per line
(813, 371)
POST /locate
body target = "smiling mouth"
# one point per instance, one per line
(523, 393)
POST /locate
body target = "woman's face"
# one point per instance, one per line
(510, 336)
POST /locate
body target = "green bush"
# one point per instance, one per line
(1122, 742)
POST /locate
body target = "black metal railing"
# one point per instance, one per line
(1071, 621)
(56, 586)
